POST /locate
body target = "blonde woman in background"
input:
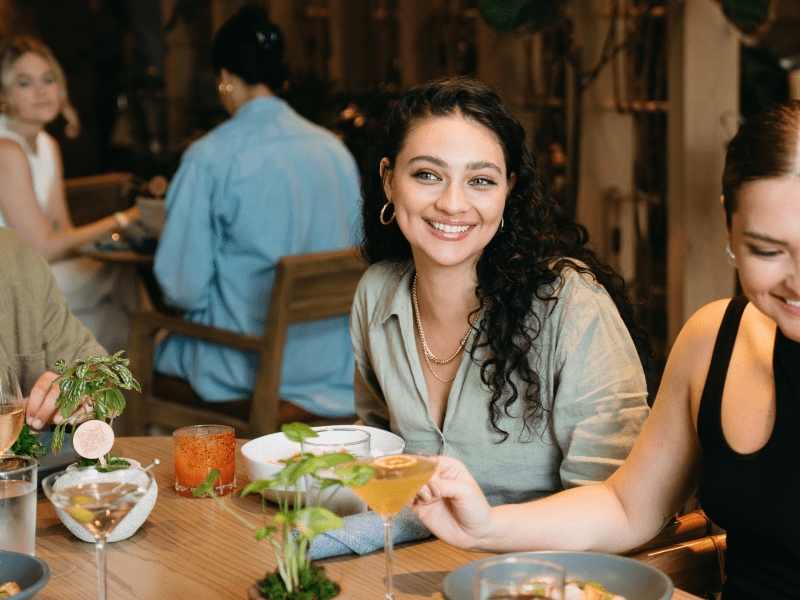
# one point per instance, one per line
(33, 93)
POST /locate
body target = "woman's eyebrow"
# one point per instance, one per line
(477, 166)
(432, 159)
(764, 238)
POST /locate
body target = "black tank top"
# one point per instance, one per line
(754, 497)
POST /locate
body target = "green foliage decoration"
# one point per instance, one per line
(93, 383)
(296, 578)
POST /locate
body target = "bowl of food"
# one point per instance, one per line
(22, 572)
(621, 577)
(265, 456)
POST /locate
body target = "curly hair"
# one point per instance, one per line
(14, 49)
(521, 264)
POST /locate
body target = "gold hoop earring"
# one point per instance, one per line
(384, 222)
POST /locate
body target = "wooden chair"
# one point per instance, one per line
(307, 287)
(696, 566)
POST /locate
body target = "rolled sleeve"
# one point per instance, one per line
(600, 401)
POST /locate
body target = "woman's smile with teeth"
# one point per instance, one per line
(448, 228)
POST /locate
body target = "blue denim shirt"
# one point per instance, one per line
(261, 185)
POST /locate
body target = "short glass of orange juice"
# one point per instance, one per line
(199, 449)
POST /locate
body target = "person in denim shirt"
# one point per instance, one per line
(263, 184)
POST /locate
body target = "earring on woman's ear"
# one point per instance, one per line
(383, 221)
(731, 255)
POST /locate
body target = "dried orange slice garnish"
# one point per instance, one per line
(396, 461)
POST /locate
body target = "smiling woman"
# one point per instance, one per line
(485, 329)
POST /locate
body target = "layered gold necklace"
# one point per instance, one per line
(429, 356)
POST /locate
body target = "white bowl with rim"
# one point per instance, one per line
(262, 458)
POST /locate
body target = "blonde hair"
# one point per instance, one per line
(13, 50)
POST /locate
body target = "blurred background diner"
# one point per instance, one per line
(632, 101)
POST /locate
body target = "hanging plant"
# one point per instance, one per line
(508, 15)
(747, 15)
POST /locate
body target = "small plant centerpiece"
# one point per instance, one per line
(92, 383)
(296, 578)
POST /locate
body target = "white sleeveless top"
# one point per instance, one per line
(42, 162)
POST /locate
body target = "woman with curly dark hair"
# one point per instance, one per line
(485, 329)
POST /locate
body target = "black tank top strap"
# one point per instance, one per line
(711, 400)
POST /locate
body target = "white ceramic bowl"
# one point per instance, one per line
(129, 524)
(261, 457)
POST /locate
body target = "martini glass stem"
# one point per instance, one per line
(100, 550)
(388, 545)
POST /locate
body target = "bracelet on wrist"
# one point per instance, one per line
(122, 220)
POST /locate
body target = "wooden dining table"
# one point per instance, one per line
(190, 548)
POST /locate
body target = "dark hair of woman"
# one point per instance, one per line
(251, 46)
(524, 259)
(765, 146)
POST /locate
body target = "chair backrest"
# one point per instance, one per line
(307, 287)
(696, 566)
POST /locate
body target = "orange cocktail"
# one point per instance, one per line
(395, 480)
(199, 449)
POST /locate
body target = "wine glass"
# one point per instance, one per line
(98, 501)
(12, 408)
(396, 478)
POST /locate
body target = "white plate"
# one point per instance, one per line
(618, 574)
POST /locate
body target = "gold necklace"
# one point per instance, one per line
(429, 356)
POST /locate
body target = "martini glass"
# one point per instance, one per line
(396, 478)
(12, 408)
(98, 501)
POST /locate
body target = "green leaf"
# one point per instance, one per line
(297, 432)
(355, 475)
(264, 532)
(257, 487)
(207, 487)
(313, 520)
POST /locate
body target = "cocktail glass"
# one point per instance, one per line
(396, 478)
(98, 501)
(12, 408)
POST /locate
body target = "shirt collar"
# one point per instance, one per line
(395, 298)
(269, 104)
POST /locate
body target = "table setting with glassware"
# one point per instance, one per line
(176, 524)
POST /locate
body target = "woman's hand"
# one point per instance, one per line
(41, 404)
(453, 506)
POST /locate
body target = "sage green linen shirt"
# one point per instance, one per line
(592, 387)
(36, 325)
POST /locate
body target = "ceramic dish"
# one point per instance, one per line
(262, 454)
(54, 461)
(624, 576)
(29, 573)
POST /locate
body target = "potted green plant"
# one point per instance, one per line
(92, 383)
(295, 577)
(92, 387)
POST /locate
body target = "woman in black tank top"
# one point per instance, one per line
(726, 417)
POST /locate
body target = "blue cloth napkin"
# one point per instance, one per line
(363, 533)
